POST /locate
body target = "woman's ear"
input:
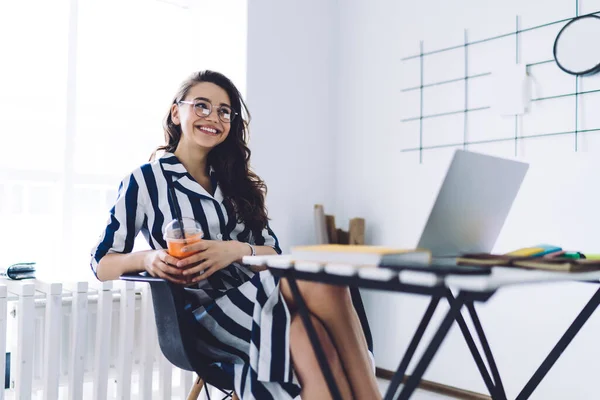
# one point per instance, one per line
(175, 114)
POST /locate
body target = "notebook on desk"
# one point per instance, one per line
(470, 209)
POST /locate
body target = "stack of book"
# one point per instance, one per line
(544, 257)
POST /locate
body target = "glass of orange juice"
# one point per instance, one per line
(178, 235)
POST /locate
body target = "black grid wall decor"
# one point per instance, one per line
(468, 109)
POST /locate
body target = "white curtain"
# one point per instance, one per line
(60, 165)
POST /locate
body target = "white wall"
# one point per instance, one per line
(291, 57)
(308, 57)
(394, 193)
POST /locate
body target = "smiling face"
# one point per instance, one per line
(206, 131)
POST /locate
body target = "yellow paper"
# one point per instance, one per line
(526, 252)
(344, 248)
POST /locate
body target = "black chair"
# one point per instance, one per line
(177, 341)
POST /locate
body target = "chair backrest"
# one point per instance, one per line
(168, 324)
(176, 333)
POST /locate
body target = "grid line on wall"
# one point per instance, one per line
(517, 61)
(424, 54)
(421, 104)
(466, 112)
(466, 78)
(577, 93)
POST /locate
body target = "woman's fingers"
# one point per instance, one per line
(189, 261)
(157, 271)
(161, 264)
(167, 259)
(167, 264)
(169, 269)
(207, 273)
(198, 269)
(196, 247)
(165, 268)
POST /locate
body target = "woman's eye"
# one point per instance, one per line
(225, 112)
(203, 108)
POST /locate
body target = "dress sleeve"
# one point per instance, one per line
(267, 238)
(124, 222)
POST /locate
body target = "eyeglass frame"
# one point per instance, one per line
(212, 107)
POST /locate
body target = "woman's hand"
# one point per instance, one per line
(212, 256)
(159, 263)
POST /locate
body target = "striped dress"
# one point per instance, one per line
(243, 319)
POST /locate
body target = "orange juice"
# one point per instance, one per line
(180, 233)
(175, 245)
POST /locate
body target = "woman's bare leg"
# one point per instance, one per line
(306, 366)
(333, 305)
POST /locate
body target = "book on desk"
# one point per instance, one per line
(357, 255)
(541, 257)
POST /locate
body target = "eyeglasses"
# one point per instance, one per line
(203, 108)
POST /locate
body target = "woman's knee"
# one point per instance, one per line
(318, 295)
(328, 301)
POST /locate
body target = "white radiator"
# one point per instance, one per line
(83, 341)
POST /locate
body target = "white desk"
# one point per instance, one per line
(507, 276)
(469, 289)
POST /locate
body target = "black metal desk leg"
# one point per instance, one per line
(314, 340)
(487, 351)
(410, 351)
(487, 379)
(562, 344)
(433, 347)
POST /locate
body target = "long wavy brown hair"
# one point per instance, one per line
(243, 190)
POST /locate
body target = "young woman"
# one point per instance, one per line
(246, 319)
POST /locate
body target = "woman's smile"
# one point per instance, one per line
(207, 130)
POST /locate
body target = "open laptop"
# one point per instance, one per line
(470, 209)
(472, 204)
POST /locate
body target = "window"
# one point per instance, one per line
(83, 95)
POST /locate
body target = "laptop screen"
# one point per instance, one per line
(472, 204)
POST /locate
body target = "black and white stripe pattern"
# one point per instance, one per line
(242, 318)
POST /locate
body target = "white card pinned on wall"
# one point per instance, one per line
(511, 90)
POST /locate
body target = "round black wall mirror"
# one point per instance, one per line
(577, 46)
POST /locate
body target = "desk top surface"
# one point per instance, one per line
(500, 276)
